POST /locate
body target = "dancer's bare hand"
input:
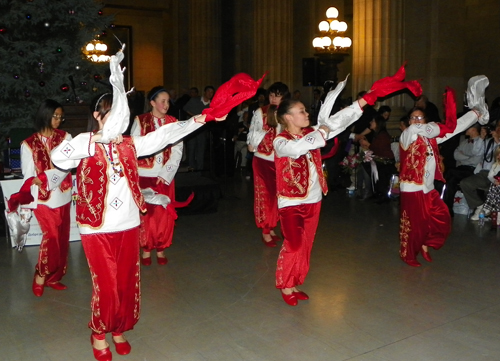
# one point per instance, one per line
(117, 140)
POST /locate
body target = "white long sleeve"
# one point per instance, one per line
(165, 171)
(296, 147)
(463, 123)
(256, 132)
(54, 178)
(339, 121)
(69, 153)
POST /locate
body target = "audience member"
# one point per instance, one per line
(383, 158)
(431, 110)
(492, 203)
(361, 127)
(468, 155)
(385, 111)
(196, 143)
(480, 180)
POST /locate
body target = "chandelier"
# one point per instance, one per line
(332, 39)
(96, 51)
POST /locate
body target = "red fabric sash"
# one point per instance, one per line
(92, 182)
(148, 126)
(233, 92)
(41, 158)
(292, 175)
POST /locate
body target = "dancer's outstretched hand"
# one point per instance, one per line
(221, 119)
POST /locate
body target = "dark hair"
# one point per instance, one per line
(405, 120)
(276, 114)
(153, 93)
(43, 118)
(101, 104)
(260, 91)
(208, 87)
(280, 89)
(476, 126)
(383, 109)
(380, 123)
(414, 109)
(361, 94)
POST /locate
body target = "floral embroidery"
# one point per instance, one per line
(404, 230)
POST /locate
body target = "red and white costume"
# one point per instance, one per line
(261, 137)
(52, 203)
(424, 218)
(108, 214)
(158, 222)
(301, 185)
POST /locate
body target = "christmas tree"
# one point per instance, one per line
(41, 56)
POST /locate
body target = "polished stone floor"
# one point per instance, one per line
(215, 300)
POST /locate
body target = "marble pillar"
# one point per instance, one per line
(204, 49)
(273, 41)
(378, 43)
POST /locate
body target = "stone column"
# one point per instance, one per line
(378, 43)
(203, 33)
(273, 41)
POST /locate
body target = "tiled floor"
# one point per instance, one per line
(216, 300)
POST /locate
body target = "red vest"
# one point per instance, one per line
(41, 158)
(147, 126)
(266, 146)
(92, 182)
(292, 175)
(414, 158)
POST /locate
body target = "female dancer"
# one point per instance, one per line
(53, 206)
(108, 214)
(157, 172)
(260, 141)
(299, 175)
(424, 218)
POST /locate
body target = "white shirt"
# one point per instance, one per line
(256, 134)
(430, 130)
(121, 212)
(54, 177)
(337, 123)
(167, 171)
(469, 152)
(294, 149)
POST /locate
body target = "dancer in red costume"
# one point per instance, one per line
(425, 220)
(300, 180)
(157, 172)
(260, 141)
(53, 195)
(108, 215)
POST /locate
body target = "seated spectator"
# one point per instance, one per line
(480, 179)
(492, 203)
(383, 157)
(384, 111)
(468, 155)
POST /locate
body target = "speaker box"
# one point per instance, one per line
(309, 72)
